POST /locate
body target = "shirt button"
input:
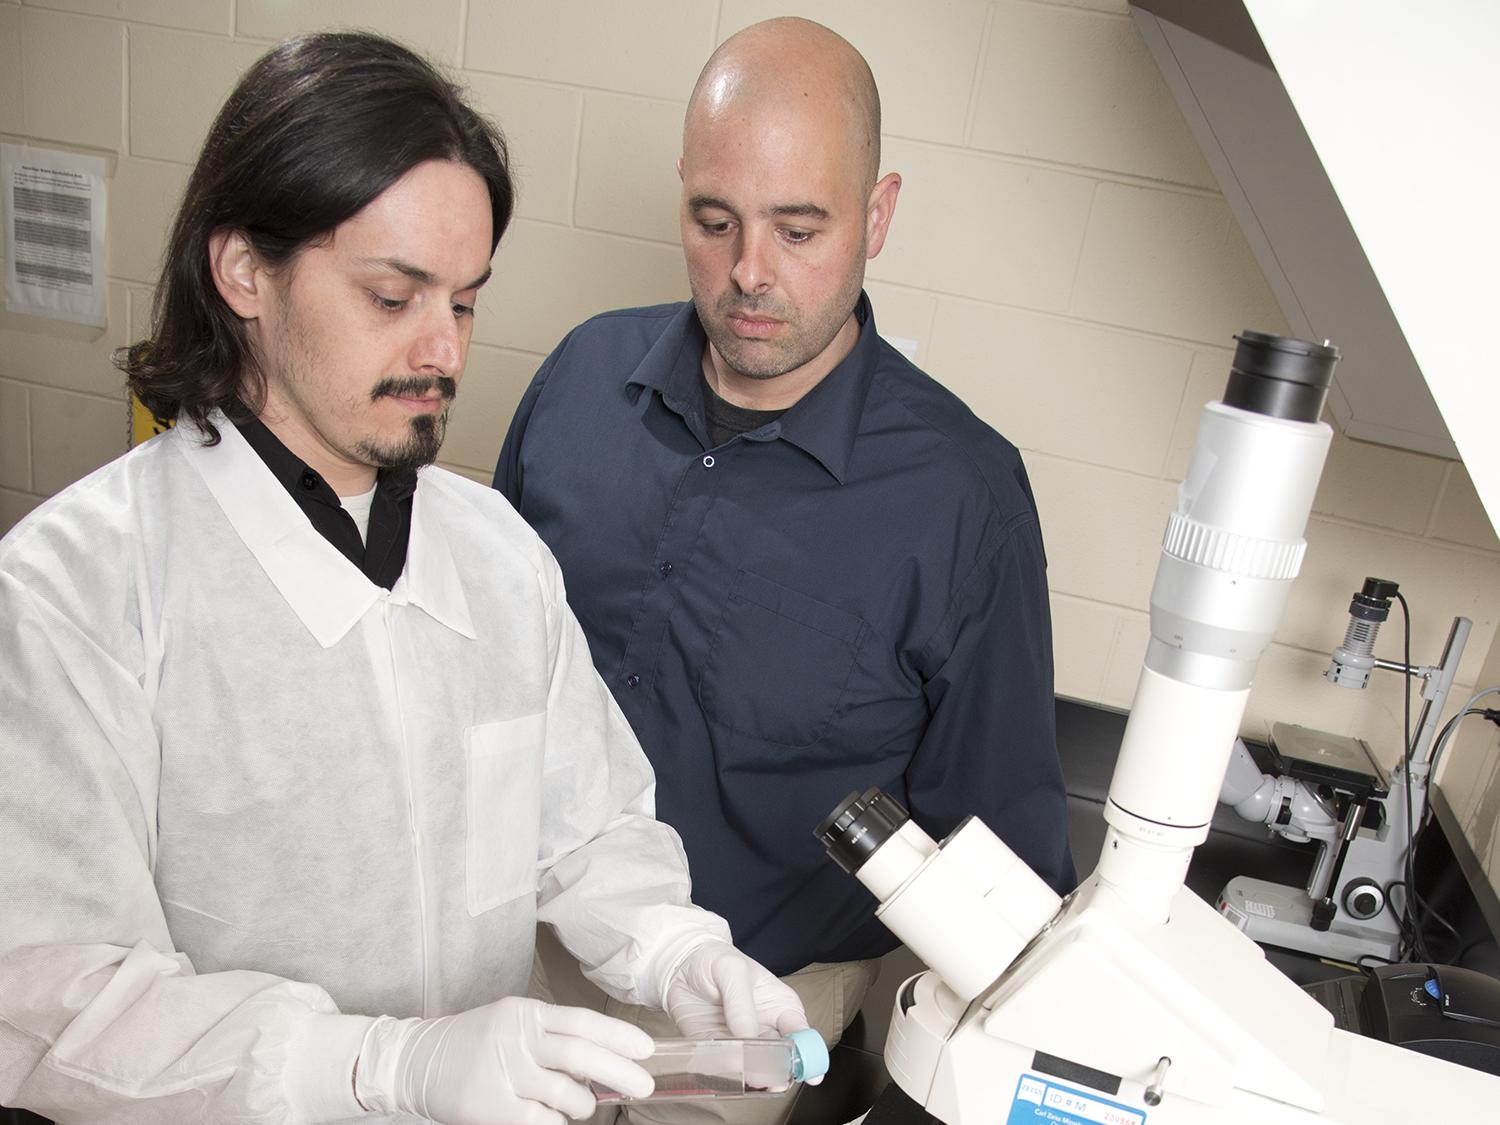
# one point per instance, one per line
(708, 461)
(664, 569)
(633, 680)
(309, 480)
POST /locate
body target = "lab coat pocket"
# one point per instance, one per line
(503, 808)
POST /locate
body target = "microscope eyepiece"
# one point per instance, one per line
(859, 825)
(1279, 376)
(1373, 602)
(1368, 610)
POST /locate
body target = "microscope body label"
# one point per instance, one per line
(1040, 1099)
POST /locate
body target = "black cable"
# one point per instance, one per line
(1390, 905)
(1406, 936)
(1446, 733)
(1434, 916)
(1428, 913)
(1403, 929)
(1438, 746)
(1439, 742)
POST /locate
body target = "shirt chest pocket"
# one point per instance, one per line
(503, 809)
(779, 664)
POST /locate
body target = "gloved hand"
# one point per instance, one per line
(718, 991)
(514, 1062)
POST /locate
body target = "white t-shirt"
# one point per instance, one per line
(359, 508)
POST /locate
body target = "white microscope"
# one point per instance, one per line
(1310, 785)
(1134, 1001)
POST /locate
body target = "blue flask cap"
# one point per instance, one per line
(809, 1055)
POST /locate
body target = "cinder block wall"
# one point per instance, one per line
(1060, 254)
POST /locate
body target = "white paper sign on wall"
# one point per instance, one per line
(54, 233)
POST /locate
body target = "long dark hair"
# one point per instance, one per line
(314, 131)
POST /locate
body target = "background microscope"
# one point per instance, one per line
(1311, 785)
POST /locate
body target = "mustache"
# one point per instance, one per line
(415, 385)
(750, 304)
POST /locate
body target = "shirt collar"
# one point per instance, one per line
(430, 580)
(291, 471)
(324, 589)
(823, 423)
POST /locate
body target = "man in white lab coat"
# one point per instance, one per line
(299, 739)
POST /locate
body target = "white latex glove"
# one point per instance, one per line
(514, 1062)
(718, 991)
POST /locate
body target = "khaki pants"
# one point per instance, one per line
(831, 994)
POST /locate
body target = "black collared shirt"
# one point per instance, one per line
(382, 555)
(853, 594)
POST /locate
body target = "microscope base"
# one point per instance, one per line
(1110, 1021)
(1273, 914)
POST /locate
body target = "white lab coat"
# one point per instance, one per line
(228, 763)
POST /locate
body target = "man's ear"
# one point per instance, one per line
(237, 272)
(878, 214)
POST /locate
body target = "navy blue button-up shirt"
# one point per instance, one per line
(852, 595)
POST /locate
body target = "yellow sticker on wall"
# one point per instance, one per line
(143, 424)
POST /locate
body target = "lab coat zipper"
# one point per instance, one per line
(414, 831)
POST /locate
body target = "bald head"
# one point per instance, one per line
(798, 72)
(781, 207)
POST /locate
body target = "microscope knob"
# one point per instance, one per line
(1364, 899)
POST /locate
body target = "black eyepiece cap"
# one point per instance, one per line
(1373, 602)
(859, 825)
(1280, 376)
